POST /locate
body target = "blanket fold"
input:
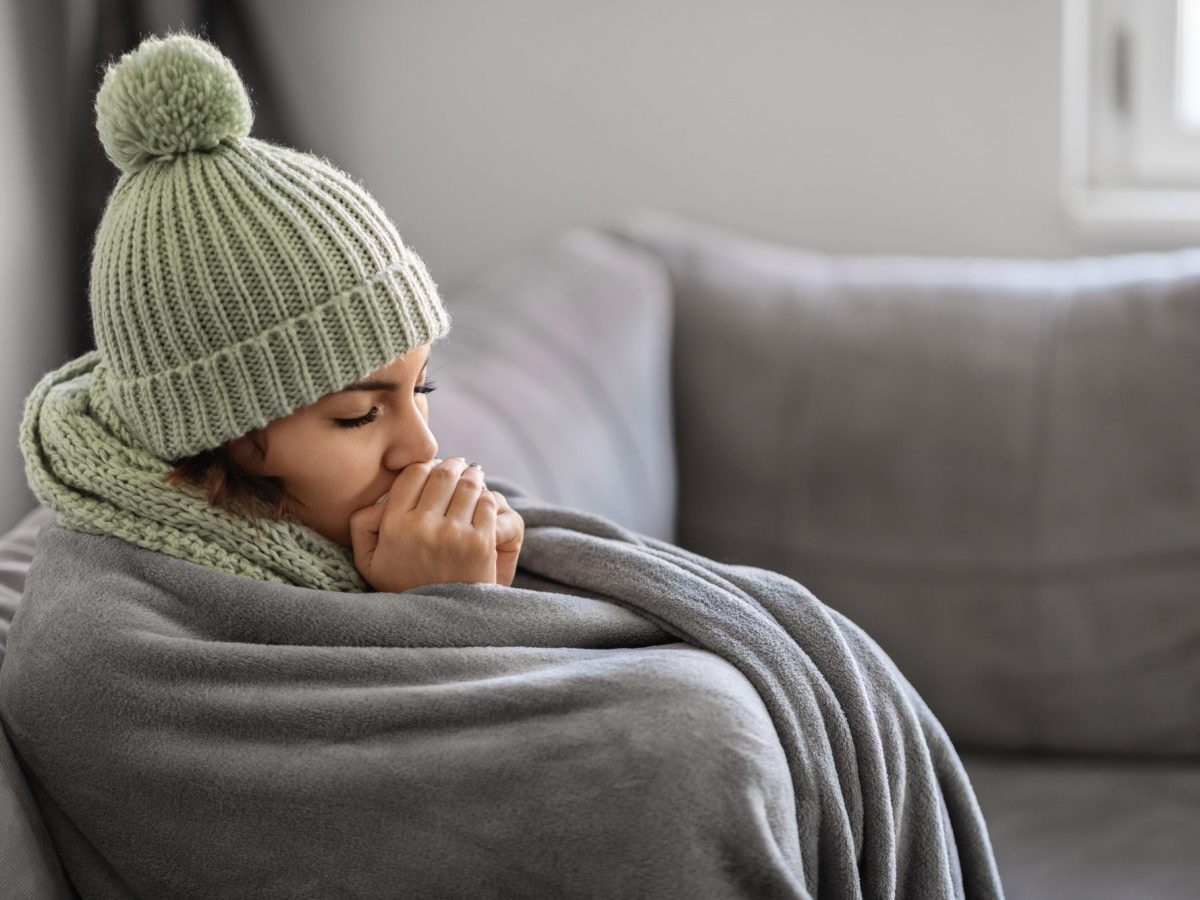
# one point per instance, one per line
(629, 719)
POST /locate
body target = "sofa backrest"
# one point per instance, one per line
(991, 466)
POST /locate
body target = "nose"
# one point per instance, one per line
(410, 438)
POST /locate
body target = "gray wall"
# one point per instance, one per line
(928, 126)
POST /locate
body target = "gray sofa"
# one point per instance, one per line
(992, 466)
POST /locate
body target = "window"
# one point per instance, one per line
(1131, 110)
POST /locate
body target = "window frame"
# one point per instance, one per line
(1125, 161)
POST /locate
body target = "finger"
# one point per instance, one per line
(466, 495)
(485, 514)
(364, 534)
(440, 485)
(406, 488)
(510, 529)
(507, 532)
(503, 510)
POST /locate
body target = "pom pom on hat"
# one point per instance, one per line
(170, 95)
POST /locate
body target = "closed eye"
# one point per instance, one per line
(427, 388)
(360, 421)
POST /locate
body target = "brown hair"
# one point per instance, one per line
(229, 486)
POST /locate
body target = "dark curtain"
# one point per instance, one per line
(118, 26)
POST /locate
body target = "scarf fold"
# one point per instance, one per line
(82, 462)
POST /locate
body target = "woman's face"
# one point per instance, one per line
(343, 451)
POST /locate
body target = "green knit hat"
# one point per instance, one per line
(234, 280)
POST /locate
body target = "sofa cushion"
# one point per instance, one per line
(555, 374)
(992, 466)
(1105, 830)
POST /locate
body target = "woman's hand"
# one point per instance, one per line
(510, 533)
(437, 525)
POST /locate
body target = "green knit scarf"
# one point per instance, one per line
(83, 463)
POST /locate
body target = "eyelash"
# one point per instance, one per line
(427, 388)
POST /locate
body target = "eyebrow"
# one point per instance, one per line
(371, 384)
(379, 384)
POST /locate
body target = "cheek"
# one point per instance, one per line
(351, 460)
(328, 462)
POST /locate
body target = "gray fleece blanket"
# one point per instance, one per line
(629, 719)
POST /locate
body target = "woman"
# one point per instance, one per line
(235, 672)
(212, 278)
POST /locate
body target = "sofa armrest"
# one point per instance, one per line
(16, 555)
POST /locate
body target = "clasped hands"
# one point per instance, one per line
(438, 523)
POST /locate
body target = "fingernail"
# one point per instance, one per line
(474, 466)
(382, 499)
